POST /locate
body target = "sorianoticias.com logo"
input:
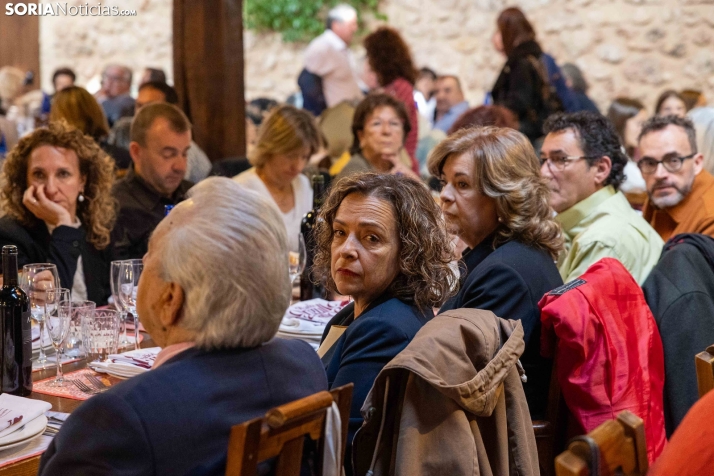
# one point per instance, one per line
(63, 9)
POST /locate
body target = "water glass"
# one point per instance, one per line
(114, 284)
(74, 345)
(296, 259)
(36, 280)
(101, 333)
(58, 319)
(128, 284)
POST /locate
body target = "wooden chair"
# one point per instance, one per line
(550, 433)
(704, 362)
(615, 447)
(281, 433)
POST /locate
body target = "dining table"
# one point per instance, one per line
(29, 467)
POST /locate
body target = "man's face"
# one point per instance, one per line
(162, 162)
(147, 96)
(426, 85)
(666, 189)
(448, 94)
(577, 180)
(345, 29)
(115, 82)
(63, 81)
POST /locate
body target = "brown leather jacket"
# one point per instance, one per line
(451, 403)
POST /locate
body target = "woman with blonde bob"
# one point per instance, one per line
(56, 196)
(494, 199)
(79, 108)
(286, 140)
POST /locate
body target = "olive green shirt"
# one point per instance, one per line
(605, 226)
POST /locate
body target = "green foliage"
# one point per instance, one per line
(298, 20)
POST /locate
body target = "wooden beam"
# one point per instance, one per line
(20, 42)
(208, 73)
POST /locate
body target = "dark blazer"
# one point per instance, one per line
(519, 87)
(62, 248)
(141, 209)
(680, 292)
(368, 344)
(176, 419)
(509, 281)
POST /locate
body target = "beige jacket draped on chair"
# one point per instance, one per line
(451, 403)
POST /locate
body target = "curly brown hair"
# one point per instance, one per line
(425, 277)
(507, 170)
(97, 212)
(389, 56)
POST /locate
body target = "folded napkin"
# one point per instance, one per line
(25, 408)
(315, 310)
(128, 364)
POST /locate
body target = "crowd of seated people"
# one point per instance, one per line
(565, 224)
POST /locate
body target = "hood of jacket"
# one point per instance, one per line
(465, 354)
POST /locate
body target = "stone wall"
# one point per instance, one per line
(633, 48)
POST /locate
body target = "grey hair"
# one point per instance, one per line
(703, 119)
(340, 13)
(126, 71)
(230, 257)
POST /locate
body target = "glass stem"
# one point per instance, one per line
(41, 357)
(60, 375)
(136, 331)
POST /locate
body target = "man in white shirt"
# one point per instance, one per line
(329, 56)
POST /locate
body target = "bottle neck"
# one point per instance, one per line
(318, 188)
(9, 269)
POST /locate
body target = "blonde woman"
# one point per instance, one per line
(494, 199)
(286, 140)
(79, 108)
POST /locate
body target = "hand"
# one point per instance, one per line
(45, 209)
(398, 167)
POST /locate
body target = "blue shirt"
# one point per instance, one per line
(448, 119)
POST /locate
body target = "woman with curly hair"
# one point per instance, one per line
(389, 58)
(495, 201)
(380, 239)
(56, 196)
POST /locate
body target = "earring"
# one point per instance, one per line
(500, 220)
(80, 199)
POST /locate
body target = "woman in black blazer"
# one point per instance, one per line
(496, 202)
(58, 207)
(522, 86)
(380, 240)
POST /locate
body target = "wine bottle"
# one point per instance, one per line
(309, 289)
(16, 345)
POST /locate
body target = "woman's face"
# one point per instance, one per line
(633, 127)
(383, 133)
(497, 41)
(369, 76)
(469, 213)
(365, 248)
(283, 168)
(672, 106)
(57, 170)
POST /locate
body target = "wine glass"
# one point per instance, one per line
(128, 283)
(114, 282)
(58, 318)
(297, 259)
(36, 280)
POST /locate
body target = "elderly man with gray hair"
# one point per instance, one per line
(213, 291)
(115, 99)
(330, 59)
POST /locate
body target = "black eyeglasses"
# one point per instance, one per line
(559, 162)
(673, 163)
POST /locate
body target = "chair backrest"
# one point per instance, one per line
(281, 433)
(704, 362)
(615, 447)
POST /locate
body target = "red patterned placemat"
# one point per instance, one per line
(69, 390)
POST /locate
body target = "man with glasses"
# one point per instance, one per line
(116, 84)
(681, 192)
(583, 161)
